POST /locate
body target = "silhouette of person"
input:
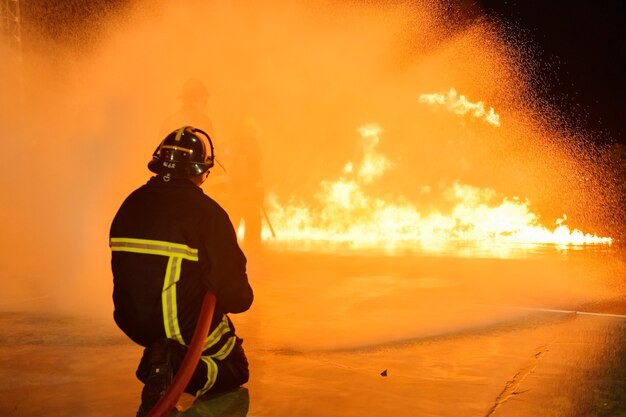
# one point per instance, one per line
(194, 96)
(192, 112)
(245, 181)
(170, 243)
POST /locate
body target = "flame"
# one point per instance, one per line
(345, 213)
(459, 104)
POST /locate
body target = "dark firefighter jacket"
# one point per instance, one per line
(170, 242)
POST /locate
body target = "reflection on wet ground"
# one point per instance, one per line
(348, 335)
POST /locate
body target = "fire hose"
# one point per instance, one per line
(167, 403)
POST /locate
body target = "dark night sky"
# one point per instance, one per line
(582, 48)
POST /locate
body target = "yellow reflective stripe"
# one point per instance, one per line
(153, 247)
(226, 349)
(180, 133)
(217, 334)
(165, 292)
(174, 301)
(212, 366)
(211, 375)
(176, 252)
(177, 148)
(168, 300)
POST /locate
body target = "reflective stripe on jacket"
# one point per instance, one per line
(170, 242)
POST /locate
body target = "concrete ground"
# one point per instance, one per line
(368, 356)
(540, 365)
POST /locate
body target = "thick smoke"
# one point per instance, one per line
(84, 118)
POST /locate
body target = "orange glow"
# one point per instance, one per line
(459, 104)
(345, 212)
(423, 197)
(480, 164)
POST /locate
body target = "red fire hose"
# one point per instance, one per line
(167, 403)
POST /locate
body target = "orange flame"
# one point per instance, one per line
(345, 213)
(459, 104)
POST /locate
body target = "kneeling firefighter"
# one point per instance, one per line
(171, 243)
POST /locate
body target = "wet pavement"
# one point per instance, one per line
(354, 336)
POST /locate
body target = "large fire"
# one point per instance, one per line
(345, 213)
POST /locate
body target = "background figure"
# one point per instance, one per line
(194, 96)
(245, 181)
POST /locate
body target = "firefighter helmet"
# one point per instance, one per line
(186, 152)
(193, 89)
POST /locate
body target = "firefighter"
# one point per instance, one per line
(245, 186)
(170, 243)
(194, 98)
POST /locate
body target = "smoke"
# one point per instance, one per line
(82, 126)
